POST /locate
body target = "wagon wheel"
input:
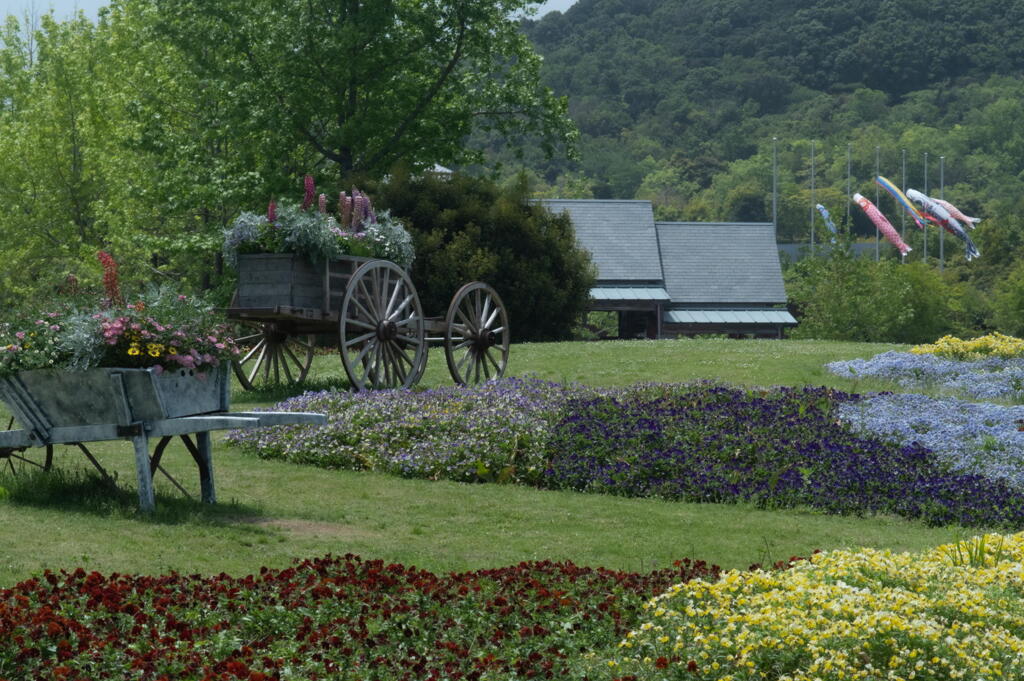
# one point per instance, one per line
(476, 335)
(381, 329)
(273, 356)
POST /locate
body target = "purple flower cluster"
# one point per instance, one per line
(497, 430)
(967, 437)
(988, 378)
(780, 447)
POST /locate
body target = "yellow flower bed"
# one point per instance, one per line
(955, 612)
(992, 345)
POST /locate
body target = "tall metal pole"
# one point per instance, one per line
(849, 194)
(926, 192)
(878, 152)
(775, 185)
(813, 202)
(903, 186)
(942, 195)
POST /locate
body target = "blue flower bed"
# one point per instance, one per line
(777, 448)
(985, 379)
(967, 437)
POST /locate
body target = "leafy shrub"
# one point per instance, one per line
(841, 297)
(467, 229)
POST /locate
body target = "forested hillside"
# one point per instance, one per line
(678, 100)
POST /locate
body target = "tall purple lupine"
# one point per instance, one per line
(358, 209)
(346, 216)
(322, 203)
(272, 211)
(307, 200)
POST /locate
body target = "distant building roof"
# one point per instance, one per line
(720, 263)
(620, 236)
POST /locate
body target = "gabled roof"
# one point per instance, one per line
(721, 263)
(620, 236)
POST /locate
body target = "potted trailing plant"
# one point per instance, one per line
(282, 257)
(117, 360)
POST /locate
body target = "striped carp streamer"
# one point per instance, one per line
(902, 200)
(883, 225)
(828, 220)
(938, 214)
(958, 214)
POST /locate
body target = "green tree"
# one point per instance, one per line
(49, 117)
(368, 83)
(468, 229)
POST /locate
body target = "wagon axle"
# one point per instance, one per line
(387, 330)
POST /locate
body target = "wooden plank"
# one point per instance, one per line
(16, 439)
(283, 418)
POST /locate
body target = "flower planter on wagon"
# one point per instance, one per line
(56, 406)
(372, 307)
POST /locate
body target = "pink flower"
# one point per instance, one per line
(20, 335)
(272, 211)
(157, 369)
(54, 327)
(219, 346)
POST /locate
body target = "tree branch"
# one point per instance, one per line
(425, 100)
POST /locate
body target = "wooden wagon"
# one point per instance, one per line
(372, 308)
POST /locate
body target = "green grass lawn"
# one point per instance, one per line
(271, 512)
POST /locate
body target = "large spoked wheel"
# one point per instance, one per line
(476, 335)
(381, 328)
(271, 356)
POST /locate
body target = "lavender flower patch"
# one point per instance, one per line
(967, 437)
(989, 378)
(496, 430)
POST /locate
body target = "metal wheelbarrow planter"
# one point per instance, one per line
(56, 406)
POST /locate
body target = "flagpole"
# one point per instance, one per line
(877, 153)
(812, 198)
(926, 193)
(942, 195)
(775, 186)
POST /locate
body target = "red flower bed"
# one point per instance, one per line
(337, 618)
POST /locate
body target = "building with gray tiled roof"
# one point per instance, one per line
(672, 278)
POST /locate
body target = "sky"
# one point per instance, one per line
(65, 8)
